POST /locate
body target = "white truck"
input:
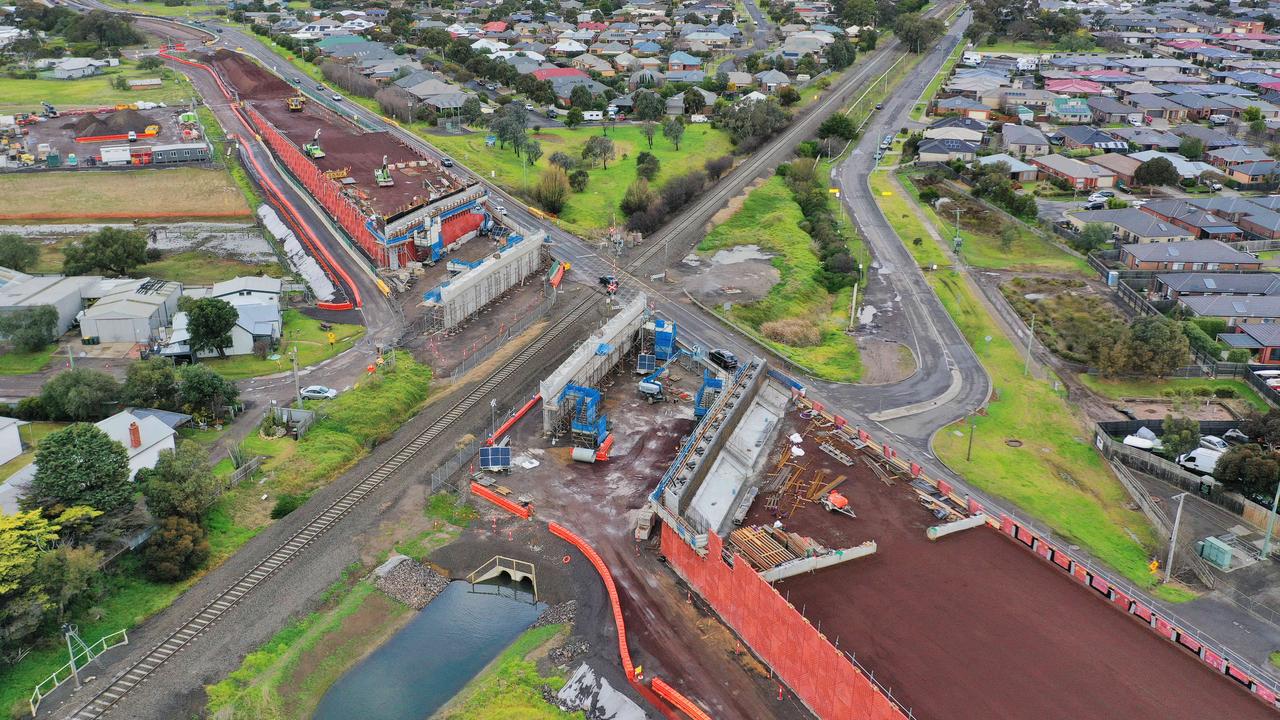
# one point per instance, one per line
(1201, 460)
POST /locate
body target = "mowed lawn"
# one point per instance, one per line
(1033, 449)
(897, 210)
(299, 330)
(170, 193)
(1121, 388)
(590, 212)
(96, 91)
(770, 218)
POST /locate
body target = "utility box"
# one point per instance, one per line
(1215, 552)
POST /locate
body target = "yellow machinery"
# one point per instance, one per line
(295, 103)
(152, 130)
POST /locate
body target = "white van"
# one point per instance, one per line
(971, 58)
(1200, 460)
(1219, 119)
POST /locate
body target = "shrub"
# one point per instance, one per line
(286, 504)
(1238, 356)
(552, 190)
(1224, 392)
(796, 332)
(1202, 391)
(176, 550)
(31, 408)
(578, 180)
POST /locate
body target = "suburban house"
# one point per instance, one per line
(1193, 256)
(944, 150)
(1019, 171)
(957, 128)
(771, 81)
(1171, 286)
(1254, 174)
(1263, 339)
(258, 323)
(1108, 111)
(1070, 110)
(1023, 141)
(963, 106)
(1204, 224)
(680, 60)
(1132, 226)
(1122, 165)
(1080, 175)
(1083, 136)
(1235, 155)
(143, 437)
(1233, 310)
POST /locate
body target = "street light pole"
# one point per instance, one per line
(1026, 367)
(1271, 521)
(1173, 537)
(973, 425)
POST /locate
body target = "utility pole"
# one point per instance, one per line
(1173, 538)
(1271, 521)
(1026, 368)
(71, 358)
(973, 425)
(297, 386)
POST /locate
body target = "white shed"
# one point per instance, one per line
(10, 439)
(132, 312)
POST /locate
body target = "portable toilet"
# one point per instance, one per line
(71, 160)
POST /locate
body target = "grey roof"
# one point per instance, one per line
(1109, 106)
(1015, 165)
(959, 121)
(1022, 135)
(1211, 138)
(1265, 334)
(1135, 221)
(1239, 153)
(1265, 306)
(172, 419)
(1257, 283)
(1189, 251)
(948, 146)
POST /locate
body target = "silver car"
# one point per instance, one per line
(319, 392)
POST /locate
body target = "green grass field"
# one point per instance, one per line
(1053, 474)
(1141, 388)
(770, 218)
(1030, 251)
(1009, 47)
(591, 212)
(299, 330)
(95, 91)
(897, 210)
(931, 89)
(192, 267)
(23, 363)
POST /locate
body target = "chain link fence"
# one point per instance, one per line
(481, 352)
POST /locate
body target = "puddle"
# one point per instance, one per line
(867, 313)
(739, 253)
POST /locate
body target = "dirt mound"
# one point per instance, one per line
(116, 123)
(251, 81)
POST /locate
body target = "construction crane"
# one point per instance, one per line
(296, 102)
(382, 175)
(312, 149)
(650, 387)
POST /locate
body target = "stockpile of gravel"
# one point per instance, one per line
(556, 614)
(412, 583)
(574, 647)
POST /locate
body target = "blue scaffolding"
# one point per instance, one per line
(587, 423)
(711, 387)
(664, 338)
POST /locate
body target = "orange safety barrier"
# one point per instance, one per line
(117, 136)
(493, 497)
(504, 427)
(558, 275)
(682, 703)
(602, 453)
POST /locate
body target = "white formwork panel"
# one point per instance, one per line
(466, 294)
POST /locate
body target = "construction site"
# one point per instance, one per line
(397, 204)
(867, 589)
(132, 135)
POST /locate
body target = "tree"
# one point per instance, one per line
(838, 125)
(718, 166)
(638, 197)
(867, 39)
(916, 32)
(578, 180)
(210, 321)
(693, 101)
(1258, 127)
(647, 165)
(176, 550)
(580, 97)
(552, 190)
(23, 599)
(29, 329)
(648, 105)
(80, 465)
(1008, 236)
(841, 53)
(649, 129)
(574, 118)
(1249, 470)
(80, 394)
(16, 253)
(471, 110)
(673, 130)
(532, 151)
(151, 62)
(67, 572)
(788, 96)
(109, 250)
(151, 383)
(1153, 346)
(1252, 113)
(598, 148)
(181, 483)
(1191, 148)
(201, 388)
(1156, 171)
(562, 160)
(1181, 435)
(1263, 428)
(1094, 236)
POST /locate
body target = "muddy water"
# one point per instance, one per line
(425, 664)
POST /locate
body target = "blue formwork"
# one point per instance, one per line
(664, 338)
(711, 385)
(587, 420)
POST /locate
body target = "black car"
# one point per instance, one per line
(724, 359)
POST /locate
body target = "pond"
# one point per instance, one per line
(428, 661)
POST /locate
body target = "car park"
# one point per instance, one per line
(723, 359)
(318, 392)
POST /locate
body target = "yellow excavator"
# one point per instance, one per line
(296, 102)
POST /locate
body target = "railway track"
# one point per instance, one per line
(140, 670)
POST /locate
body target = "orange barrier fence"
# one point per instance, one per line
(122, 215)
(673, 696)
(819, 674)
(117, 136)
(493, 497)
(504, 427)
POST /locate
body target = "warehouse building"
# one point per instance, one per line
(132, 312)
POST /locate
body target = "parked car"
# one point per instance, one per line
(724, 359)
(1138, 203)
(502, 209)
(319, 392)
(1200, 460)
(1213, 442)
(1236, 436)
(528, 106)
(491, 86)
(1102, 195)
(1095, 205)
(1267, 373)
